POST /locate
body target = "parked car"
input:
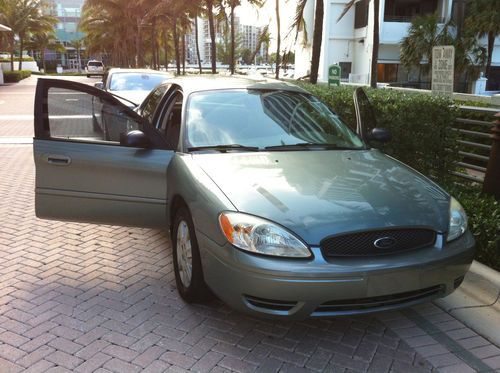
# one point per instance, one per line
(133, 85)
(272, 202)
(94, 68)
(130, 86)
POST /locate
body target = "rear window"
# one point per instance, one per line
(95, 63)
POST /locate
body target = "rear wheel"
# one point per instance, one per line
(187, 262)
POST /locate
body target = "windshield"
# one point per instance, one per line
(257, 118)
(95, 63)
(135, 81)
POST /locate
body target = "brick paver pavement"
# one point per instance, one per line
(83, 297)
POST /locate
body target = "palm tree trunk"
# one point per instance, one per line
(317, 39)
(211, 26)
(78, 59)
(21, 42)
(42, 56)
(183, 36)
(231, 62)
(373, 74)
(176, 47)
(154, 63)
(278, 39)
(12, 51)
(197, 42)
(165, 47)
(139, 59)
(491, 45)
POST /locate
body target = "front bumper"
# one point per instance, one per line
(291, 288)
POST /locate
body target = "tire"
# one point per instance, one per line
(186, 253)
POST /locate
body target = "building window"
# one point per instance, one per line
(345, 70)
(387, 72)
(406, 10)
(361, 14)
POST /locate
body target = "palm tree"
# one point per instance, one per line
(78, 44)
(317, 39)
(25, 17)
(209, 5)
(263, 38)
(41, 41)
(483, 19)
(298, 24)
(278, 38)
(423, 35)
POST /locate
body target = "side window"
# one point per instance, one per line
(151, 102)
(170, 126)
(76, 115)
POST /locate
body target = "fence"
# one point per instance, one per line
(474, 141)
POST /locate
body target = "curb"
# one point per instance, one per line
(476, 302)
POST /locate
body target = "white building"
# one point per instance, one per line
(349, 42)
(248, 34)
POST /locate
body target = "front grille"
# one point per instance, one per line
(380, 242)
(270, 304)
(361, 304)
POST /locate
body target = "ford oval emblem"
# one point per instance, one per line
(385, 242)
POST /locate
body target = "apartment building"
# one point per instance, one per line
(349, 42)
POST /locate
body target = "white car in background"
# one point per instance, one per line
(132, 85)
(94, 67)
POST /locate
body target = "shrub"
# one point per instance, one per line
(16, 59)
(484, 221)
(15, 76)
(419, 123)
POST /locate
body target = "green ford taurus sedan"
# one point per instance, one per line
(273, 203)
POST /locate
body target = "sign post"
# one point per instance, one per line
(334, 75)
(443, 65)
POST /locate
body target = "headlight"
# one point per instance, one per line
(458, 220)
(260, 236)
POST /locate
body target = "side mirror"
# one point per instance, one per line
(134, 139)
(99, 85)
(380, 135)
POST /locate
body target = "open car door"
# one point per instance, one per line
(83, 175)
(365, 115)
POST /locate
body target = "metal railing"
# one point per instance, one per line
(474, 139)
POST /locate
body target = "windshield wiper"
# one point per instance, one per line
(224, 148)
(309, 145)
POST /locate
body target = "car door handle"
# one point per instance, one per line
(59, 160)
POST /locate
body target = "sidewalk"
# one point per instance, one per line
(477, 302)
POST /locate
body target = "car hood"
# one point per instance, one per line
(321, 193)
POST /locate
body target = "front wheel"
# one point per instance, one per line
(187, 263)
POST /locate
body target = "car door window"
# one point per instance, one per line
(170, 125)
(148, 108)
(80, 116)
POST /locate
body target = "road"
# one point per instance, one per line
(83, 297)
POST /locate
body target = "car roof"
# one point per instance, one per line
(140, 71)
(198, 83)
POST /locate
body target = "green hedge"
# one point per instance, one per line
(420, 125)
(15, 76)
(484, 221)
(16, 59)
